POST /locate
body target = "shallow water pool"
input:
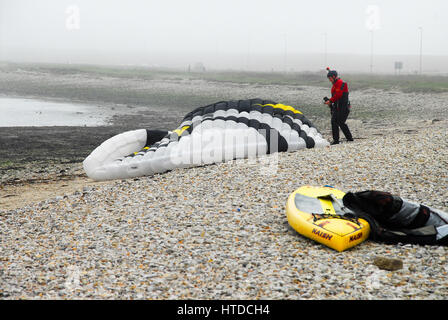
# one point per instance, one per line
(21, 112)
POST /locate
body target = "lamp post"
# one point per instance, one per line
(285, 54)
(325, 49)
(421, 48)
(371, 51)
(372, 23)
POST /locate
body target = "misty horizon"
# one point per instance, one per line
(355, 36)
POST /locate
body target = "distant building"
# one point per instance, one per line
(198, 67)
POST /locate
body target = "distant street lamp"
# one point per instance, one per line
(371, 51)
(325, 49)
(285, 54)
(372, 23)
(421, 48)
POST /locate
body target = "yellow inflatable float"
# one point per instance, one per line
(318, 213)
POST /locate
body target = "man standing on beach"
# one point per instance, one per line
(340, 106)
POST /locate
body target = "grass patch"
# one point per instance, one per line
(404, 83)
(6, 164)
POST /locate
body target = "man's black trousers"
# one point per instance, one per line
(339, 115)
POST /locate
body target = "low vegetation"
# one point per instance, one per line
(405, 83)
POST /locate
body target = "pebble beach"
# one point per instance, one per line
(220, 231)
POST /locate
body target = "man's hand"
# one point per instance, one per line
(327, 102)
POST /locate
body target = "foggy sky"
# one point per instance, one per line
(179, 31)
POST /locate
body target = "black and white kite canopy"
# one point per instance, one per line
(215, 133)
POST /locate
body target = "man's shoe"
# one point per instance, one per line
(350, 140)
(334, 142)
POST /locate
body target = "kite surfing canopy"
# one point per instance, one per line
(214, 133)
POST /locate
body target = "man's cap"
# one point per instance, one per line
(331, 73)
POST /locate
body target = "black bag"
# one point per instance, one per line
(381, 210)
